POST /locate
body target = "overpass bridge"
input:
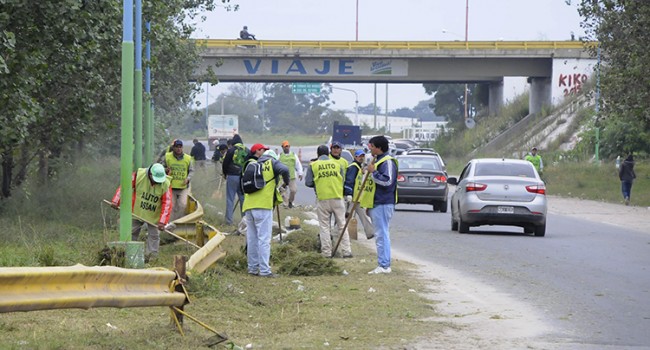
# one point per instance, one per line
(554, 68)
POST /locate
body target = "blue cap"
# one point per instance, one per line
(359, 152)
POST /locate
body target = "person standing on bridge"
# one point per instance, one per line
(290, 159)
(245, 35)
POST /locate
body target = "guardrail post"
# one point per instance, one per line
(180, 262)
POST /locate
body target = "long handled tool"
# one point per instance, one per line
(277, 209)
(165, 230)
(350, 214)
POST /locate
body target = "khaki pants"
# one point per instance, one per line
(325, 209)
(289, 195)
(365, 221)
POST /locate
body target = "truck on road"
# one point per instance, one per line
(221, 127)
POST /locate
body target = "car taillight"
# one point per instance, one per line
(539, 189)
(401, 178)
(439, 178)
(474, 186)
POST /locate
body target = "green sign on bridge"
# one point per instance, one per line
(305, 88)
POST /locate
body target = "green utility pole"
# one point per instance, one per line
(126, 152)
(148, 113)
(138, 85)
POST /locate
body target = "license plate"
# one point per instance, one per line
(505, 210)
(419, 180)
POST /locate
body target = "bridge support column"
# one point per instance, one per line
(495, 97)
(540, 94)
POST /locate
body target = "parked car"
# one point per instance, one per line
(499, 192)
(421, 179)
(403, 145)
(427, 151)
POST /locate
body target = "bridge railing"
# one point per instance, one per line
(397, 45)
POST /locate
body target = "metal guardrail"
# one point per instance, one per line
(398, 45)
(47, 288)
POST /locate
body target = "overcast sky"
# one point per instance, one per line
(404, 20)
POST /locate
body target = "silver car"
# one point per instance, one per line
(499, 192)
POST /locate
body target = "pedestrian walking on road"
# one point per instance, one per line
(353, 181)
(152, 201)
(258, 211)
(383, 187)
(326, 176)
(627, 175)
(291, 160)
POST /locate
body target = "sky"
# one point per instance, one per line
(387, 20)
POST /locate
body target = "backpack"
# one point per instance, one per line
(239, 157)
(252, 179)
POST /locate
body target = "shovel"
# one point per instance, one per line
(218, 194)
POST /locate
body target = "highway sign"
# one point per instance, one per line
(305, 88)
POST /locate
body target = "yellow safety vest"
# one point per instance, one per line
(148, 204)
(266, 197)
(290, 161)
(343, 162)
(368, 195)
(179, 169)
(327, 179)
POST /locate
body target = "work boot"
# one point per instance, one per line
(290, 204)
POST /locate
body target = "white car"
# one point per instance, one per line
(493, 191)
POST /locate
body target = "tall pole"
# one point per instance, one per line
(148, 116)
(386, 110)
(597, 149)
(126, 150)
(375, 108)
(138, 85)
(357, 23)
(466, 47)
(356, 103)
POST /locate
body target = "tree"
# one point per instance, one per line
(620, 27)
(60, 83)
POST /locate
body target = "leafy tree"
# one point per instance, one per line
(369, 109)
(621, 28)
(60, 76)
(450, 100)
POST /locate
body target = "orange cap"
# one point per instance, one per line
(285, 143)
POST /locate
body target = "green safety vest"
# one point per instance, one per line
(290, 161)
(368, 196)
(266, 197)
(328, 179)
(179, 169)
(536, 160)
(148, 203)
(344, 163)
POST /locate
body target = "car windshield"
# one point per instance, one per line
(504, 169)
(428, 163)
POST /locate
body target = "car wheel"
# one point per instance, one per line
(443, 207)
(462, 227)
(454, 223)
(529, 229)
(540, 230)
(435, 206)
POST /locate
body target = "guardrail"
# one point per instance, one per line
(47, 288)
(398, 45)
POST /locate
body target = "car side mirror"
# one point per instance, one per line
(452, 181)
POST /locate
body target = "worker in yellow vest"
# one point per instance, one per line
(335, 153)
(291, 160)
(258, 210)
(326, 176)
(181, 167)
(383, 191)
(152, 201)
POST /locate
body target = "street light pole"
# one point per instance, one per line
(466, 32)
(356, 103)
(357, 22)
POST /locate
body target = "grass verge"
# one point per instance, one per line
(350, 310)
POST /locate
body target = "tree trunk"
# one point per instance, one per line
(7, 168)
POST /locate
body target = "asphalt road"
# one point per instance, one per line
(588, 280)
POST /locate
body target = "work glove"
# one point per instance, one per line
(348, 199)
